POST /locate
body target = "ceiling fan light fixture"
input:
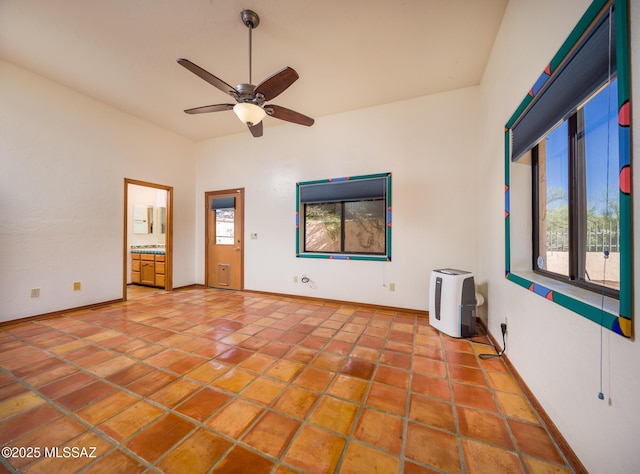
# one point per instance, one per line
(250, 114)
(250, 98)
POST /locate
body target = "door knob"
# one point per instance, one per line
(237, 249)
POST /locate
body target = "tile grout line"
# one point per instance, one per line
(320, 397)
(73, 416)
(119, 445)
(521, 454)
(501, 411)
(172, 410)
(361, 405)
(235, 314)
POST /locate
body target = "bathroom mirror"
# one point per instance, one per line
(142, 219)
(162, 219)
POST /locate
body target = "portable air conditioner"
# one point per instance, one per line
(452, 302)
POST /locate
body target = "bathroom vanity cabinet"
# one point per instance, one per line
(148, 269)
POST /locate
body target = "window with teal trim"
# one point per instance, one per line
(575, 197)
(571, 134)
(344, 218)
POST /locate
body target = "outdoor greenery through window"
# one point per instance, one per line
(345, 227)
(346, 218)
(576, 196)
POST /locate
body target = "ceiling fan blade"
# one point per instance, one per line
(256, 130)
(209, 108)
(283, 113)
(277, 83)
(207, 76)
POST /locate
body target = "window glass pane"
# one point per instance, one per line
(553, 187)
(225, 226)
(322, 227)
(365, 230)
(602, 197)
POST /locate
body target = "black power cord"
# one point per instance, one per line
(503, 328)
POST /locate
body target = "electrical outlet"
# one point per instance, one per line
(392, 287)
(295, 278)
(76, 286)
(506, 321)
(35, 292)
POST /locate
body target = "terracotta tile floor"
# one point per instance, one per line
(204, 380)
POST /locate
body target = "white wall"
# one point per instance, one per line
(556, 351)
(429, 145)
(64, 157)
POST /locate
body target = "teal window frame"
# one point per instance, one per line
(300, 253)
(621, 323)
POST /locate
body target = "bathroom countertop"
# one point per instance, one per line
(154, 249)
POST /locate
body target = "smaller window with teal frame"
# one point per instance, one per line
(344, 218)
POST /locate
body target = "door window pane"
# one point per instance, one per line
(601, 229)
(225, 226)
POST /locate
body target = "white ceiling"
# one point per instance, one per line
(349, 54)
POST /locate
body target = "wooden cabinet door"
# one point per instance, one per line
(135, 268)
(147, 273)
(160, 266)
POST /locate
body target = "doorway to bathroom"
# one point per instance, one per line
(148, 237)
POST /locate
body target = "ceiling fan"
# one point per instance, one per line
(250, 107)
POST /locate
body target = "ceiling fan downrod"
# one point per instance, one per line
(251, 20)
